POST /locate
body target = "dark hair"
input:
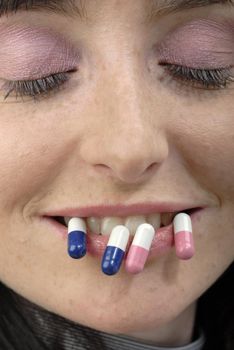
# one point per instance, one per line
(215, 315)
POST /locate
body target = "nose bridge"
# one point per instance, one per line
(127, 138)
(131, 129)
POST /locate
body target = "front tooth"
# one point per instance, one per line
(109, 223)
(94, 224)
(154, 220)
(166, 218)
(132, 222)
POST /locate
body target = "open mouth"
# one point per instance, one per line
(104, 225)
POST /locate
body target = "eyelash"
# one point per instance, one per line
(214, 79)
(36, 88)
(208, 79)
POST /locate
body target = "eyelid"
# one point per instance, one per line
(199, 44)
(30, 52)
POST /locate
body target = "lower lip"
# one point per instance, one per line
(96, 244)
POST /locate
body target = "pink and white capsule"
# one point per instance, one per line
(183, 236)
(139, 250)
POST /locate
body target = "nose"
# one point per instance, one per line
(128, 148)
(127, 141)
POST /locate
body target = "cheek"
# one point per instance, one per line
(29, 163)
(207, 145)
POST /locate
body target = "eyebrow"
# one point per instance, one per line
(68, 8)
(163, 7)
(76, 8)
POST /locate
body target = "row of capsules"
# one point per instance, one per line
(139, 248)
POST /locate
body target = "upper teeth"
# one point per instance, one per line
(105, 225)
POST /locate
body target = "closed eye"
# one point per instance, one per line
(36, 88)
(201, 78)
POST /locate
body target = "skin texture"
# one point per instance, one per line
(121, 131)
(20, 45)
(211, 45)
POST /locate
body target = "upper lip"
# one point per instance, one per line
(122, 210)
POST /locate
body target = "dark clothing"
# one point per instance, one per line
(52, 332)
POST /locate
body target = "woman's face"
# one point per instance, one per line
(124, 129)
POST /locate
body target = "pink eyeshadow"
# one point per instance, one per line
(204, 44)
(34, 52)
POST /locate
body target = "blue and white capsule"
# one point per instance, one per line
(115, 250)
(76, 238)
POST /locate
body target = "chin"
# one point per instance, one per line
(119, 319)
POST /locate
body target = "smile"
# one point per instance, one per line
(100, 220)
(105, 225)
(99, 226)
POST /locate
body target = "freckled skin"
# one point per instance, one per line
(119, 135)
